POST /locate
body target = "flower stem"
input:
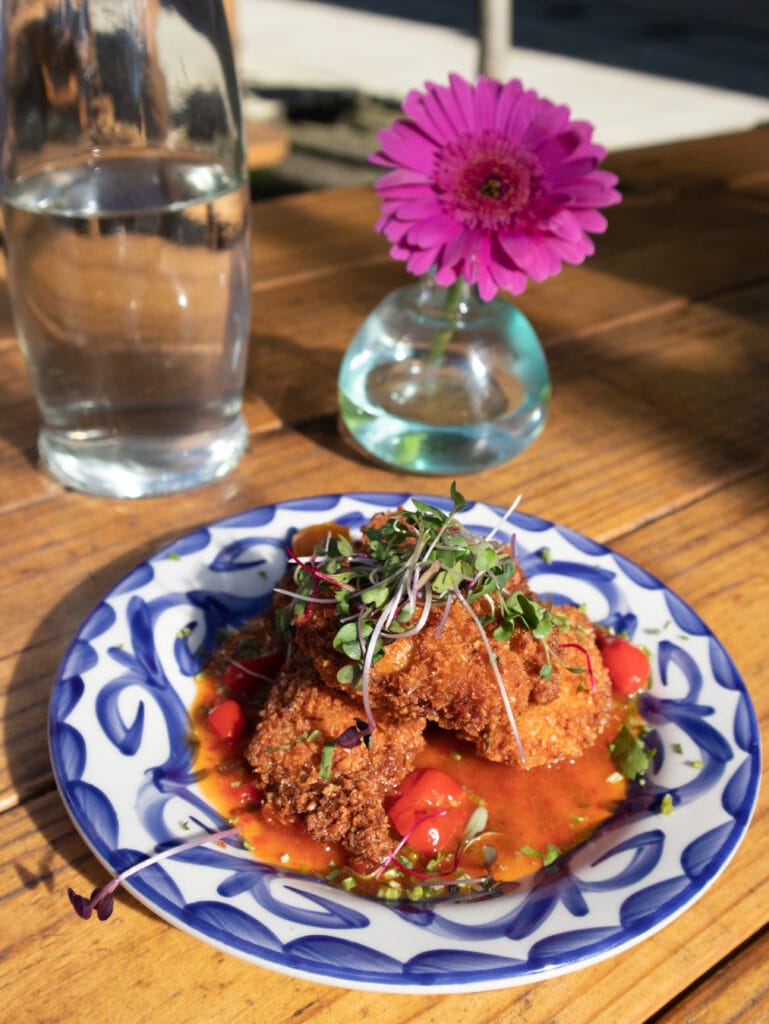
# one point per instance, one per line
(445, 334)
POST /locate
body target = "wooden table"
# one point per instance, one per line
(656, 444)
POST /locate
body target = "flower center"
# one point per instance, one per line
(486, 180)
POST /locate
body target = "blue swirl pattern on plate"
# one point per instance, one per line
(119, 723)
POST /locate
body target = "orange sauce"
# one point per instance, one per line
(224, 776)
(559, 805)
(528, 811)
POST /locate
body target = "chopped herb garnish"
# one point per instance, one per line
(666, 805)
(630, 756)
(326, 759)
(548, 856)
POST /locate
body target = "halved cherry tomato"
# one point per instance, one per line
(227, 720)
(245, 675)
(627, 665)
(434, 796)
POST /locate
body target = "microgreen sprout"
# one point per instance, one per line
(101, 899)
(407, 565)
(588, 663)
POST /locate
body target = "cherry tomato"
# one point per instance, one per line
(627, 665)
(248, 795)
(227, 720)
(421, 795)
(244, 675)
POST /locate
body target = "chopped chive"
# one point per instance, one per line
(326, 759)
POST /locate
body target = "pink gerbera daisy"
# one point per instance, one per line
(490, 183)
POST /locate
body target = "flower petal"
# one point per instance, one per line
(444, 127)
(416, 107)
(435, 231)
(521, 115)
(400, 176)
(407, 144)
(452, 109)
(421, 260)
(486, 95)
(590, 220)
(533, 254)
(464, 94)
(445, 276)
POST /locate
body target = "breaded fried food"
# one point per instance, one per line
(443, 673)
(347, 807)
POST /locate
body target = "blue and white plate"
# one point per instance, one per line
(119, 724)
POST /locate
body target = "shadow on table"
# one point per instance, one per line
(27, 750)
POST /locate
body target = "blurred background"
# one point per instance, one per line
(325, 75)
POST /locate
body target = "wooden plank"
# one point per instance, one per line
(701, 369)
(297, 236)
(732, 160)
(701, 359)
(738, 991)
(649, 242)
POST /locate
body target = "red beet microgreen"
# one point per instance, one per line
(101, 899)
(588, 663)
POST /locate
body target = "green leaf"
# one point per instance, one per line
(376, 595)
(446, 581)
(485, 556)
(429, 512)
(457, 498)
(346, 674)
(346, 634)
(504, 632)
(542, 630)
(343, 546)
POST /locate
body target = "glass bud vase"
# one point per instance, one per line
(438, 381)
